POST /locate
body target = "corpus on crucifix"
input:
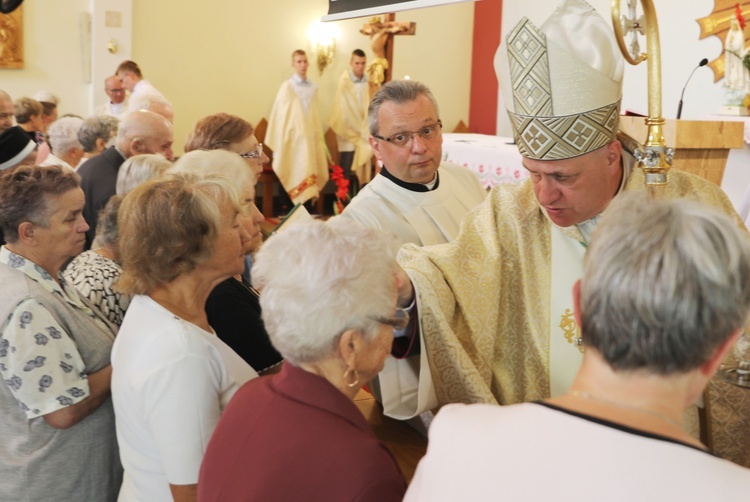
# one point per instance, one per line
(381, 42)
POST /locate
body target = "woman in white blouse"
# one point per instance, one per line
(172, 376)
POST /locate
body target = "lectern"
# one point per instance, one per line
(701, 147)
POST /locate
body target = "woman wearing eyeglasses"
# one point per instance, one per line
(329, 299)
(223, 131)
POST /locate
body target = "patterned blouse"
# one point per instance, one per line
(45, 372)
(93, 275)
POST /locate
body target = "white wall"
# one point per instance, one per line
(52, 47)
(232, 55)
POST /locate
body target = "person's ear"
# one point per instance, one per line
(350, 346)
(614, 153)
(375, 144)
(137, 146)
(26, 232)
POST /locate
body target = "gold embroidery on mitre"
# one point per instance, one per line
(571, 330)
(529, 70)
(564, 137)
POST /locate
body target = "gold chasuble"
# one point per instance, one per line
(484, 312)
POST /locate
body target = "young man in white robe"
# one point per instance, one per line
(415, 196)
(348, 119)
(296, 137)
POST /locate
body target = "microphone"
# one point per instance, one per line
(703, 62)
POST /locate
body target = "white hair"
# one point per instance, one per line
(215, 162)
(139, 168)
(63, 135)
(319, 279)
(47, 97)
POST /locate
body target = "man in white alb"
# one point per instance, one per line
(348, 119)
(295, 135)
(414, 196)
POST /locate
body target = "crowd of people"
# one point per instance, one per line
(154, 347)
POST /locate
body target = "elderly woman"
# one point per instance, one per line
(62, 136)
(94, 272)
(329, 298)
(172, 376)
(222, 131)
(139, 168)
(97, 134)
(664, 294)
(233, 307)
(56, 417)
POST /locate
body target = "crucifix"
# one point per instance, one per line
(381, 33)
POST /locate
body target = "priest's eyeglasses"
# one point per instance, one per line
(253, 154)
(427, 133)
(399, 320)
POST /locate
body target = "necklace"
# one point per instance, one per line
(654, 413)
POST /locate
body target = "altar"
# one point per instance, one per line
(494, 159)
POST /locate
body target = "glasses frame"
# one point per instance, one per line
(390, 139)
(253, 154)
(398, 321)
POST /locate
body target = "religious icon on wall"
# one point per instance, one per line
(11, 39)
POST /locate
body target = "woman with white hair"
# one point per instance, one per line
(233, 307)
(62, 136)
(329, 299)
(179, 236)
(139, 168)
(664, 294)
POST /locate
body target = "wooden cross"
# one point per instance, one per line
(381, 34)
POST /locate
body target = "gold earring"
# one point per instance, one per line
(347, 377)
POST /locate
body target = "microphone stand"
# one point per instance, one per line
(703, 62)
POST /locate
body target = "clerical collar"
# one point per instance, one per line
(414, 187)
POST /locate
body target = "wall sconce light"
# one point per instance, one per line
(323, 39)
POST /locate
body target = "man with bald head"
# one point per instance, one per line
(140, 132)
(117, 106)
(154, 103)
(6, 111)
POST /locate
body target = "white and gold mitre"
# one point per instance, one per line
(561, 83)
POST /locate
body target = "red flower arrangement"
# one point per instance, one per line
(342, 188)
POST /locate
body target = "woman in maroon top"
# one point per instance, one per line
(329, 303)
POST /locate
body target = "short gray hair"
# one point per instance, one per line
(665, 283)
(139, 168)
(319, 279)
(63, 135)
(397, 91)
(106, 226)
(93, 128)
